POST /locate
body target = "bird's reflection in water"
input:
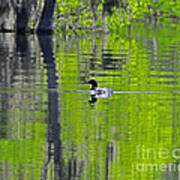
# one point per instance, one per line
(93, 100)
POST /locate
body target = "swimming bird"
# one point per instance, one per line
(97, 92)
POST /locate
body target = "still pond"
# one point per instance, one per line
(48, 128)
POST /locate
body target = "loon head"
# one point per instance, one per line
(93, 83)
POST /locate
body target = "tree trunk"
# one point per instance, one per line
(23, 15)
(6, 16)
(46, 24)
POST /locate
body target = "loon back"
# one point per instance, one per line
(101, 92)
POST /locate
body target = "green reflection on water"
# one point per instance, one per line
(120, 137)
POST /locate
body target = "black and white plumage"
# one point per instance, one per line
(97, 92)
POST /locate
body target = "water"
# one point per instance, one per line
(49, 130)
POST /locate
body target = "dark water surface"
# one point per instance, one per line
(49, 130)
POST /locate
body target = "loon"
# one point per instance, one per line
(96, 92)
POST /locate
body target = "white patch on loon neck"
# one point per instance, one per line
(92, 92)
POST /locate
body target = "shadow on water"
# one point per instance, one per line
(54, 122)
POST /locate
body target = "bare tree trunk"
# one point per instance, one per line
(23, 14)
(46, 24)
(104, 24)
(22, 19)
(94, 9)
